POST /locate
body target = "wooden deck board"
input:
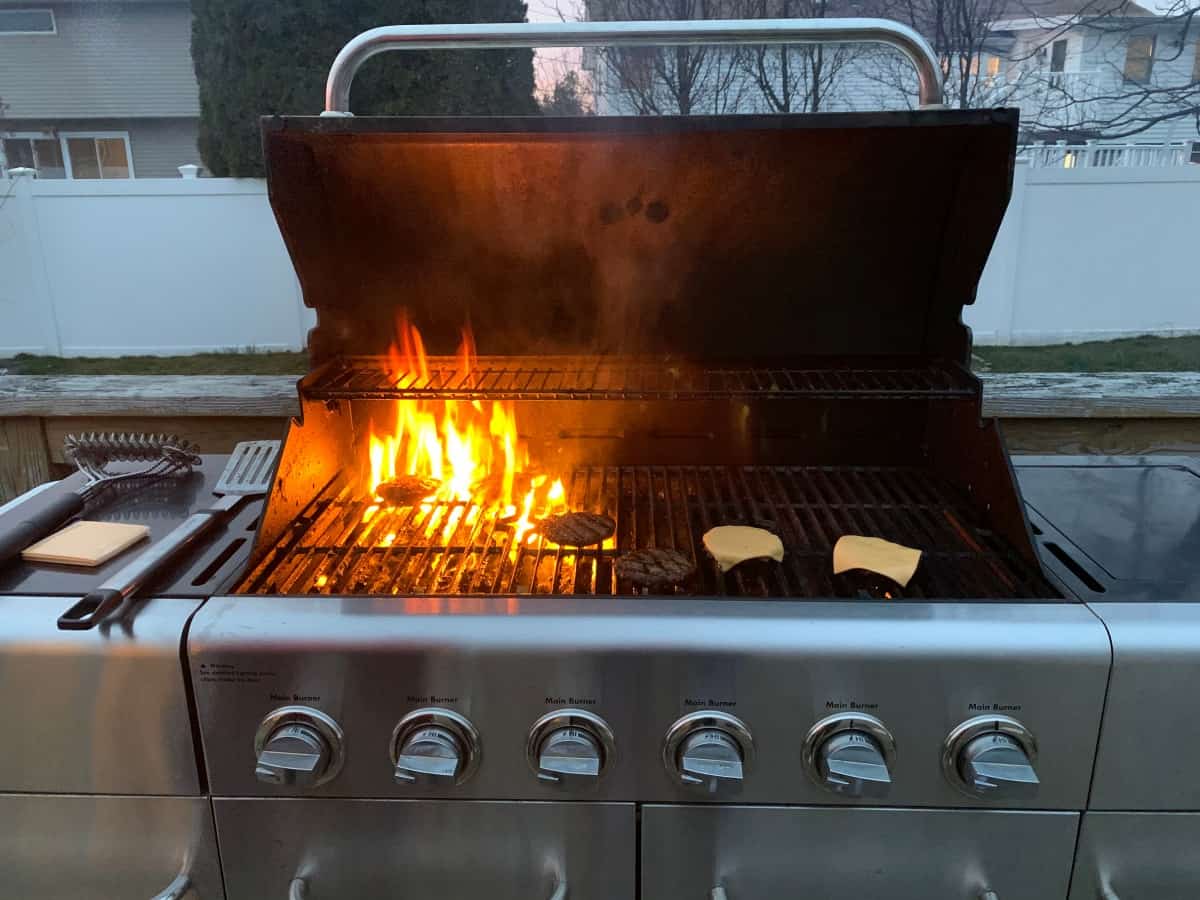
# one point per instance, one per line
(1112, 413)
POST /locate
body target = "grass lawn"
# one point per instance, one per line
(1142, 354)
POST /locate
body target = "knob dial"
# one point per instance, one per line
(711, 759)
(433, 746)
(569, 753)
(992, 757)
(709, 751)
(570, 748)
(297, 746)
(850, 754)
(852, 763)
(997, 765)
(293, 754)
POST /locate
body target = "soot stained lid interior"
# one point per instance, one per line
(712, 238)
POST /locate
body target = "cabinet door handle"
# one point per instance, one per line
(719, 893)
(179, 889)
(298, 890)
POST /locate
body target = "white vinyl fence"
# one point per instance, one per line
(1093, 254)
(174, 266)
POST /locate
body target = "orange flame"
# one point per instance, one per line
(472, 449)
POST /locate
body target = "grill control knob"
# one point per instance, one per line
(293, 754)
(997, 765)
(850, 754)
(992, 757)
(710, 759)
(709, 751)
(433, 747)
(297, 746)
(570, 748)
(569, 753)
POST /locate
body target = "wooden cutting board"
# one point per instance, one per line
(86, 543)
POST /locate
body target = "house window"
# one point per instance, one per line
(70, 155)
(993, 66)
(1058, 56)
(1139, 58)
(97, 155)
(41, 153)
(26, 21)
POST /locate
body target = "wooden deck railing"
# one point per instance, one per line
(1135, 413)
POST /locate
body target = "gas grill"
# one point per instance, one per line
(677, 323)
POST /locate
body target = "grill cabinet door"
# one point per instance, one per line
(105, 848)
(1138, 856)
(468, 850)
(765, 853)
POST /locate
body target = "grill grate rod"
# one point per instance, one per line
(341, 545)
(555, 378)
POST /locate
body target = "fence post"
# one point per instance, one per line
(42, 299)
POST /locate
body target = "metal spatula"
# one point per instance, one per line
(247, 474)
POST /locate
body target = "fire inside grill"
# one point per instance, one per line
(770, 349)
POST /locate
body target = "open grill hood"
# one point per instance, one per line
(710, 238)
(698, 321)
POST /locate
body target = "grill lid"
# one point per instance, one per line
(711, 238)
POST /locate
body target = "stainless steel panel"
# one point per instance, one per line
(1137, 856)
(1151, 698)
(101, 848)
(97, 712)
(640, 664)
(468, 851)
(764, 853)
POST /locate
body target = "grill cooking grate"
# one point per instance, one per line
(456, 548)
(546, 378)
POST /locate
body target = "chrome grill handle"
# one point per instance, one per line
(509, 35)
(298, 890)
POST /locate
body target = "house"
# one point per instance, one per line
(1079, 70)
(97, 88)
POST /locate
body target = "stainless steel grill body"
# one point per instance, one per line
(1124, 535)
(102, 788)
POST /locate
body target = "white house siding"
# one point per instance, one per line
(107, 60)
(159, 146)
(1098, 56)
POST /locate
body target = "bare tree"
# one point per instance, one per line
(1145, 72)
(789, 77)
(985, 64)
(681, 80)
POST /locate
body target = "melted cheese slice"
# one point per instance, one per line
(894, 561)
(733, 544)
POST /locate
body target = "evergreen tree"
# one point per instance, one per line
(259, 57)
